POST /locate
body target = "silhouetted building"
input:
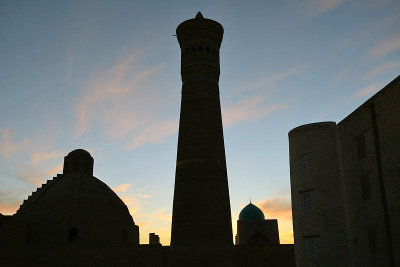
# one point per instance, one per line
(253, 229)
(201, 232)
(154, 239)
(72, 210)
(345, 182)
(77, 220)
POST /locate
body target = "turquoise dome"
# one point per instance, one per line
(251, 213)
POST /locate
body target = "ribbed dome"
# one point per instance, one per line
(251, 213)
(75, 197)
(77, 204)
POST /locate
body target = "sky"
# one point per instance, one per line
(105, 76)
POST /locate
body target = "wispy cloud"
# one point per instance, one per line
(155, 133)
(255, 107)
(385, 47)
(342, 74)
(122, 188)
(389, 66)
(161, 214)
(279, 208)
(7, 146)
(8, 203)
(104, 98)
(274, 78)
(149, 220)
(36, 176)
(42, 157)
(276, 207)
(132, 201)
(366, 90)
(252, 108)
(318, 7)
(158, 221)
(8, 209)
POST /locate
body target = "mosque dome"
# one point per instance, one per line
(77, 204)
(251, 213)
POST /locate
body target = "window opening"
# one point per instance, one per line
(303, 164)
(307, 200)
(311, 246)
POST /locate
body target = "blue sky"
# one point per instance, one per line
(105, 76)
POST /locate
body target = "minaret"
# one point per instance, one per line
(201, 218)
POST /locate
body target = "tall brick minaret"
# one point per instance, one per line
(201, 219)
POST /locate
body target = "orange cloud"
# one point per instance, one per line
(367, 90)
(276, 207)
(286, 237)
(134, 202)
(159, 222)
(318, 7)
(122, 188)
(155, 133)
(149, 221)
(386, 47)
(133, 205)
(7, 146)
(323, 6)
(253, 108)
(161, 215)
(36, 176)
(42, 157)
(250, 109)
(8, 209)
(272, 79)
(381, 69)
(104, 97)
(279, 208)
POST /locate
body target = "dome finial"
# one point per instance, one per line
(199, 15)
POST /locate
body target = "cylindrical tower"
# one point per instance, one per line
(317, 204)
(201, 220)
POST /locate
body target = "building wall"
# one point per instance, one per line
(269, 229)
(387, 108)
(353, 172)
(271, 256)
(370, 143)
(318, 212)
(134, 255)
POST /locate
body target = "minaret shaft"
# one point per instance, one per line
(201, 198)
(201, 219)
